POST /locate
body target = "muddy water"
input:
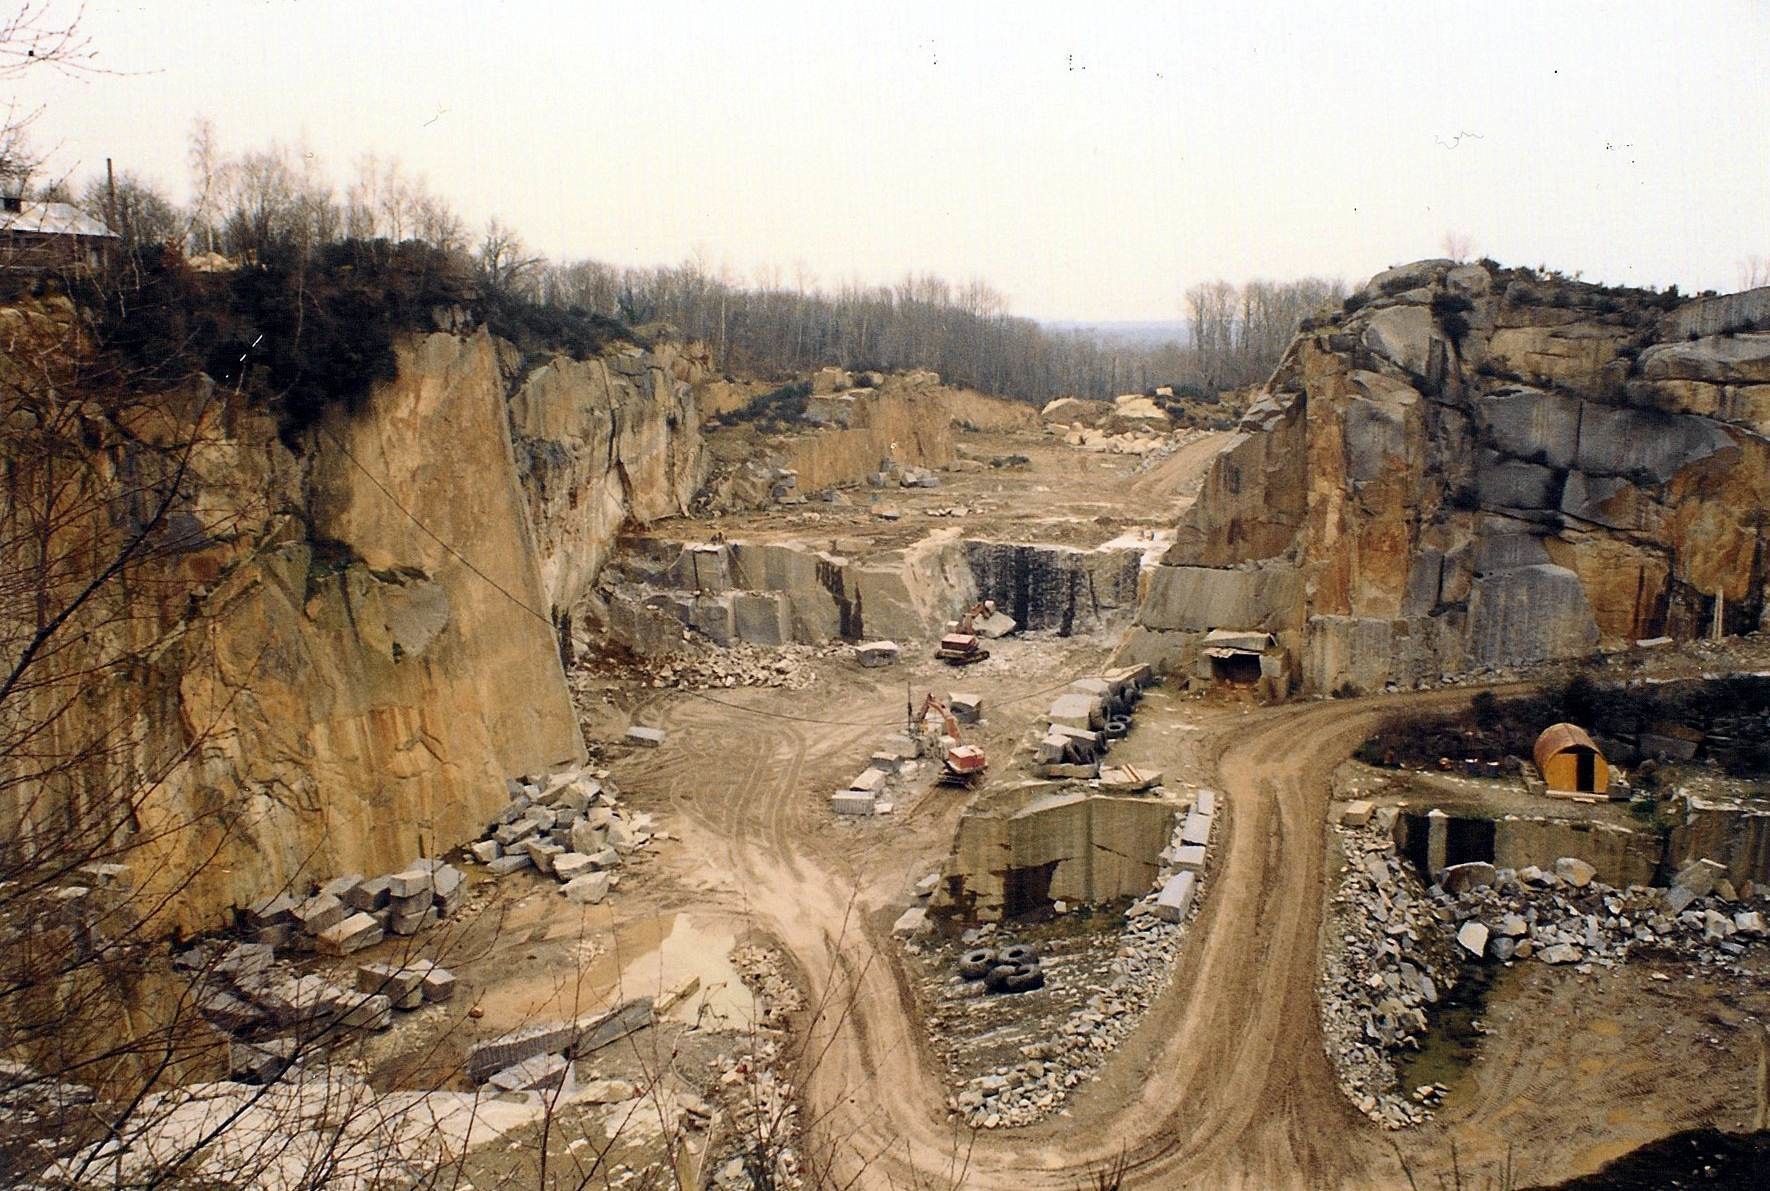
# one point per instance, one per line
(655, 957)
(1452, 1039)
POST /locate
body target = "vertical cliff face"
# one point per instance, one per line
(1471, 468)
(335, 658)
(599, 442)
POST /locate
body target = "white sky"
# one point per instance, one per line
(1090, 160)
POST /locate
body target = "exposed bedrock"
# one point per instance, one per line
(775, 593)
(1473, 468)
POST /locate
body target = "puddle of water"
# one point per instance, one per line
(657, 956)
(1451, 1042)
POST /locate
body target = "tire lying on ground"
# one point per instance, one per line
(1117, 728)
(997, 979)
(975, 965)
(1017, 954)
(1026, 977)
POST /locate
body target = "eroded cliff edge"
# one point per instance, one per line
(1472, 467)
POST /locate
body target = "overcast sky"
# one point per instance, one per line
(1090, 160)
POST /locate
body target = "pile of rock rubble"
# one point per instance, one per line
(739, 664)
(1403, 943)
(761, 1106)
(568, 825)
(270, 1011)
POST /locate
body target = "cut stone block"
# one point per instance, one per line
(1189, 858)
(884, 762)
(966, 708)
(411, 924)
(645, 738)
(870, 781)
(877, 653)
(586, 890)
(341, 887)
(852, 802)
(1207, 802)
(370, 895)
(366, 1011)
(358, 931)
(485, 851)
(410, 883)
(540, 1073)
(1699, 876)
(403, 986)
(1574, 871)
(319, 912)
(1355, 814)
(1175, 898)
(568, 865)
(279, 907)
(542, 853)
(439, 984)
(911, 922)
(1196, 830)
(510, 863)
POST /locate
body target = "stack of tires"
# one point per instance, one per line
(1010, 969)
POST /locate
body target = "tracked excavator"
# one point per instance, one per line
(964, 763)
(960, 647)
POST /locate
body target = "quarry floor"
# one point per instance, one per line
(1224, 1083)
(1061, 495)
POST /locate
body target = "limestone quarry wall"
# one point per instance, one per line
(1470, 468)
(777, 593)
(317, 684)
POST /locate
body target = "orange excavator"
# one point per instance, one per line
(959, 647)
(965, 763)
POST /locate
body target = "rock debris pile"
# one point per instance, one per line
(760, 1104)
(569, 826)
(739, 664)
(1402, 943)
(347, 914)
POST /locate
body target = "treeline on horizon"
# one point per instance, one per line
(277, 208)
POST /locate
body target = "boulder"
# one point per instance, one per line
(1699, 876)
(586, 890)
(1575, 871)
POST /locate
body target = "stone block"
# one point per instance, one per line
(542, 853)
(1699, 876)
(1196, 830)
(439, 984)
(417, 903)
(884, 762)
(966, 708)
(368, 896)
(1472, 936)
(511, 834)
(1356, 813)
(411, 924)
(649, 738)
(868, 781)
(877, 653)
(1076, 710)
(1188, 858)
(319, 913)
(852, 802)
(1175, 899)
(1207, 802)
(568, 865)
(399, 984)
(1575, 871)
(279, 907)
(342, 887)
(1461, 878)
(586, 890)
(911, 922)
(485, 851)
(409, 883)
(358, 931)
(540, 1073)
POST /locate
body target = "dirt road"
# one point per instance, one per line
(1225, 1082)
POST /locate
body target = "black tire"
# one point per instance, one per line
(1018, 954)
(1117, 728)
(1025, 978)
(975, 965)
(997, 979)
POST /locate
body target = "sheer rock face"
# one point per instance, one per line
(324, 686)
(1474, 468)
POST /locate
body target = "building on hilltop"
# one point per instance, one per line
(43, 236)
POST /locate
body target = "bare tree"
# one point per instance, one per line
(1754, 271)
(1458, 246)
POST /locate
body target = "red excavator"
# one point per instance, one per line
(959, 647)
(965, 763)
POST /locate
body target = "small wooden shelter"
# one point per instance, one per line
(1570, 762)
